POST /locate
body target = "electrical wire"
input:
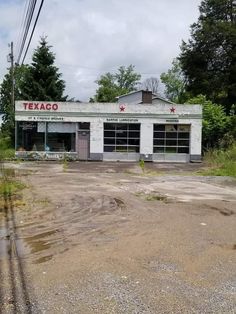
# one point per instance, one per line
(20, 37)
(32, 32)
(29, 15)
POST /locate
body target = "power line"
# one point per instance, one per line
(32, 32)
(20, 37)
(29, 15)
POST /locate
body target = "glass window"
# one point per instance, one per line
(171, 138)
(159, 150)
(159, 134)
(159, 127)
(109, 148)
(84, 125)
(124, 137)
(30, 137)
(171, 134)
(109, 141)
(109, 133)
(171, 142)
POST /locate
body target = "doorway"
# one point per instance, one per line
(83, 145)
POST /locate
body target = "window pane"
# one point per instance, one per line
(184, 135)
(109, 148)
(159, 127)
(183, 142)
(121, 149)
(171, 135)
(120, 133)
(134, 127)
(184, 128)
(109, 141)
(159, 134)
(109, 126)
(171, 127)
(183, 150)
(121, 126)
(158, 150)
(171, 142)
(121, 141)
(170, 149)
(109, 134)
(84, 125)
(133, 141)
(159, 142)
(134, 134)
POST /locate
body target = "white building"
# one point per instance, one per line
(140, 126)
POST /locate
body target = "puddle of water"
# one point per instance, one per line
(40, 242)
(43, 259)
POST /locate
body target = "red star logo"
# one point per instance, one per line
(122, 108)
(172, 110)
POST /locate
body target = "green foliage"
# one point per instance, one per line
(43, 82)
(142, 165)
(215, 121)
(6, 152)
(38, 81)
(208, 59)
(8, 125)
(113, 85)
(221, 162)
(174, 83)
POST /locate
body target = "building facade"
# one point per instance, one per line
(137, 127)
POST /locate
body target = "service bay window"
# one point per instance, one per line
(171, 138)
(121, 137)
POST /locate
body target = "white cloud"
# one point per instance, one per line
(91, 37)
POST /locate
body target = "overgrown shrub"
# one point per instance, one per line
(222, 162)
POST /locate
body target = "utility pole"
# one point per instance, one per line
(11, 59)
(12, 79)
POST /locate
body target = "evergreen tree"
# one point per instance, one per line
(208, 60)
(38, 81)
(43, 79)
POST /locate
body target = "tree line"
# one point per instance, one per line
(203, 73)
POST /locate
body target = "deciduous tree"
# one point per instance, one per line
(151, 84)
(113, 85)
(208, 59)
(174, 83)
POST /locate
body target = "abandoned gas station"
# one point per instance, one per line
(140, 125)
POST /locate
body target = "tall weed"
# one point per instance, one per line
(222, 162)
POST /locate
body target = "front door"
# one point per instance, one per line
(83, 145)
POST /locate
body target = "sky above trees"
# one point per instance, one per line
(93, 37)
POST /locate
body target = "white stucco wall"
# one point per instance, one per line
(96, 137)
(196, 137)
(146, 138)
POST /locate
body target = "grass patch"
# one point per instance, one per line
(152, 196)
(221, 162)
(10, 186)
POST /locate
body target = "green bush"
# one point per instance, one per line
(222, 162)
(6, 152)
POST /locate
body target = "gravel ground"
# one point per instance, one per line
(107, 238)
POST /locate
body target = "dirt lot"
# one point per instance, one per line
(106, 238)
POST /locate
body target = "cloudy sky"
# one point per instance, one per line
(91, 37)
